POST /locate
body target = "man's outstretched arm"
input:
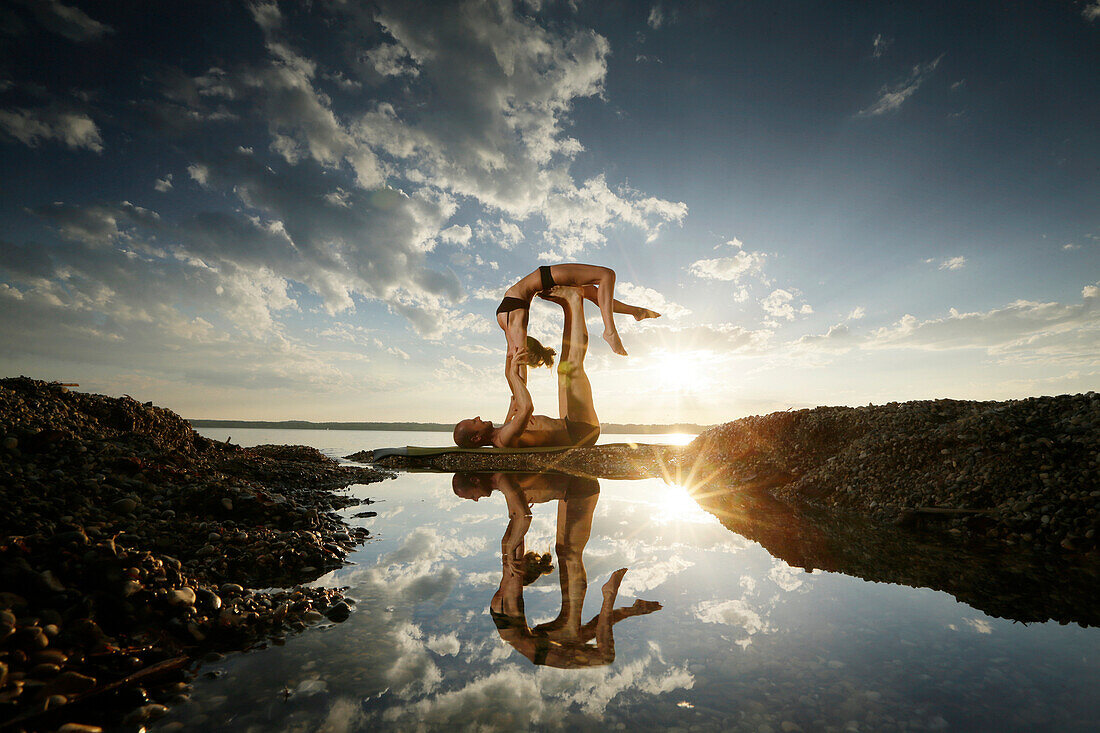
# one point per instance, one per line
(509, 433)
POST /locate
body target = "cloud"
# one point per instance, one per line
(892, 96)
(67, 20)
(456, 234)
(74, 129)
(857, 313)
(780, 304)
(656, 17)
(879, 45)
(163, 185)
(392, 59)
(1021, 332)
(633, 294)
(1070, 246)
(732, 269)
(949, 263)
(1091, 12)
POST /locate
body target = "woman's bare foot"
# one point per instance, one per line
(562, 294)
(640, 607)
(611, 587)
(643, 313)
(612, 338)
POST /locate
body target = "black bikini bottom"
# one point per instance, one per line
(512, 304)
(582, 433)
(547, 278)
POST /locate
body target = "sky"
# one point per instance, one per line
(310, 210)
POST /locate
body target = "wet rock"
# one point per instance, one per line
(145, 714)
(182, 596)
(124, 506)
(339, 612)
(145, 535)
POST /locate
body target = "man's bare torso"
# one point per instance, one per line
(542, 430)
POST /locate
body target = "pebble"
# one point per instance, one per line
(124, 506)
(182, 597)
(122, 514)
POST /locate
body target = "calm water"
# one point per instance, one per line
(740, 640)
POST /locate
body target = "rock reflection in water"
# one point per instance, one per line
(1017, 583)
(562, 642)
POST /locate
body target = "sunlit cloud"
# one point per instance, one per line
(892, 96)
(33, 126)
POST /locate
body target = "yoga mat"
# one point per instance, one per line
(421, 451)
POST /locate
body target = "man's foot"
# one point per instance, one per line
(611, 587)
(644, 313)
(612, 338)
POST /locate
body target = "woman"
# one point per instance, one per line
(598, 284)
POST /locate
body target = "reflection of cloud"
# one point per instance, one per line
(540, 698)
(426, 543)
(447, 645)
(413, 672)
(786, 577)
(344, 715)
(643, 577)
(493, 702)
(734, 612)
(981, 625)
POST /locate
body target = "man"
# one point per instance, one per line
(578, 424)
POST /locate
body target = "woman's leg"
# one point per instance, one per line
(639, 313)
(604, 280)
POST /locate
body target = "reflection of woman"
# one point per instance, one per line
(563, 641)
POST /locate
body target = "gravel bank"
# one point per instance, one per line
(1022, 472)
(130, 547)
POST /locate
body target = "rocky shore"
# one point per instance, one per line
(131, 546)
(1023, 472)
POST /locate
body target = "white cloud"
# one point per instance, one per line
(164, 185)
(1070, 246)
(879, 45)
(1020, 332)
(633, 294)
(741, 264)
(857, 313)
(456, 234)
(392, 59)
(199, 173)
(1091, 12)
(780, 304)
(67, 20)
(656, 17)
(892, 96)
(74, 129)
(949, 263)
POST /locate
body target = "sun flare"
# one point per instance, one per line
(679, 371)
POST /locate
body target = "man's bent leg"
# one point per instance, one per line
(574, 390)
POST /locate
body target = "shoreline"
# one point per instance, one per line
(134, 548)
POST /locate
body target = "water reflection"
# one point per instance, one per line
(564, 641)
(746, 640)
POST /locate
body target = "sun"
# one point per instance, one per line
(679, 371)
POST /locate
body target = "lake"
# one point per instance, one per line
(708, 630)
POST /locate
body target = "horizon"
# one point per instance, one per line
(273, 208)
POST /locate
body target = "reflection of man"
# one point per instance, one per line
(563, 641)
(578, 424)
